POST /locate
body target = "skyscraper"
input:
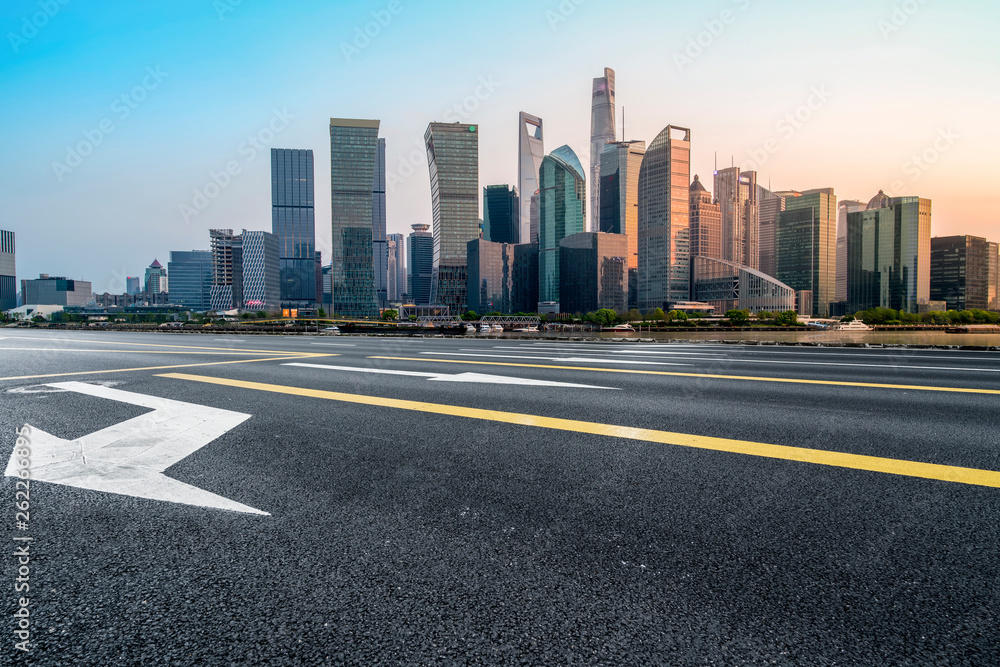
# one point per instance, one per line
(562, 211)
(530, 153)
(993, 268)
(594, 272)
(602, 132)
(354, 158)
(843, 208)
(132, 285)
(960, 272)
(8, 273)
(736, 194)
(227, 269)
(380, 257)
(293, 221)
(156, 278)
(191, 279)
(619, 193)
(503, 277)
(261, 272)
(705, 223)
(420, 264)
(396, 246)
(500, 214)
(806, 246)
(664, 210)
(770, 205)
(453, 162)
(888, 254)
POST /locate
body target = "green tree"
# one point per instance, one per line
(765, 315)
(656, 315)
(787, 318)
(634, 315)
(737, 317)
(321, 313)
(470, 316)
(390, 315)
(605, 317)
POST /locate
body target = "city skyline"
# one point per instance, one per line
(197, 109)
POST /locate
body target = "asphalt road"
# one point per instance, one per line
(688, 505)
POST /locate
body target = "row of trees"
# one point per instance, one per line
(888, 316)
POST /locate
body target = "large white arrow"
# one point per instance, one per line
(480, 378)
(129, 458)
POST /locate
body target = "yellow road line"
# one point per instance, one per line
(820, 457)
(183, 347)
(835, 383)
(158, 368)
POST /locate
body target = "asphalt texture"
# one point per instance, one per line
(402, 537)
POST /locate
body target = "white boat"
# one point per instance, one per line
(853, 325)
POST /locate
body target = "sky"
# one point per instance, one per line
(131, 129)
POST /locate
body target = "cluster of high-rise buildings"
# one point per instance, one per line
(633, 229)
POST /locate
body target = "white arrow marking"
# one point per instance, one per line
(460, 377)
(129, 458)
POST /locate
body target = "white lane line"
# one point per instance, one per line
(615, 351)
(572, 359)
(129, 458)
(334, 344)
(726, 361)
(925, 357)
(479, 378)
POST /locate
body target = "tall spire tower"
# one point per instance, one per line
(602, 132)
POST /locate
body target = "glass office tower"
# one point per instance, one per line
(562, 211)
(619, 193)
(736, 194)
(769, 205)
(453, 161)
(593, 272)
(500, 210)
(960, 272)
(530, 153)
(420, 265)
(191, 279)
(806, 246)
(664, 211)
(602, 132)
(380, 253)
(293, 221)
(261, 272)
(888, 254)
(354, 150)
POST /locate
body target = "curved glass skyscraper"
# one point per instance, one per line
(664, 192)
(602, 132)
(562, 210)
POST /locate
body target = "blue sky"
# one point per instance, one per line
(905, 96)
